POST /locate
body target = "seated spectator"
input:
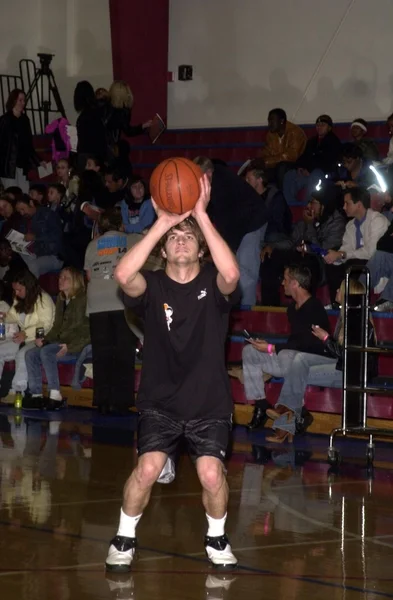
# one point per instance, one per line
(93, 164)
(321, 229)
(56, 196)
(10, 265)
(320, 158)
(368, 147)
(240, 217)
(11, 218)
(313, 369)
(355, 170)
(260, 357)
(112, 341)
(360, 239)
(136, 208)
(389, 158)
(13, 192)
(276, 230)
(66, 178)
(31, 308)
(45, 231)
(285, 143)
(67, 338)
(38, 194)
(116, 183)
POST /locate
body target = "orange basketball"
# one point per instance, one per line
(174, 185)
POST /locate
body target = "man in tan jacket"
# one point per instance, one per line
(285, 142)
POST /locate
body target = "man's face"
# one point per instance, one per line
(322, 129)
(274, 123)
(314, 209)
(5, 255)
(181, 247)
(289, 284)
(24, 210)
(36, 196)
(53, 196)
(111, 185)
(351, 209)
(255, 182)
(6, 209)
(357, 132)
(91, 165)
(351, 164)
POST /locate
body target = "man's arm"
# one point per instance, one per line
(127, 272)
(223, 258)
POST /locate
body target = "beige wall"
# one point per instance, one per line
(76, 31)
(307, 56)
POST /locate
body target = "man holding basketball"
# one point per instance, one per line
(184, 391)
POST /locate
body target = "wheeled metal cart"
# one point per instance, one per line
(356, 356)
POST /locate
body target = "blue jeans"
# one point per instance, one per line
(249, 258)
(305, 369)
(294, 182)
(45, 357)
(381, 265)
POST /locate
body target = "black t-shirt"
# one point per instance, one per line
(184, 374)
(301, 338)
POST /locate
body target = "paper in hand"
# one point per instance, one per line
(45, 171)
(156, 128)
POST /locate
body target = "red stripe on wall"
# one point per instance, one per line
(140, 30)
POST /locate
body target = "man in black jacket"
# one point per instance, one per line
(240, 217)
(320, 158)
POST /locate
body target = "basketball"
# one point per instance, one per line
(175, 186)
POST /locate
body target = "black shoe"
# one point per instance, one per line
(33, 402)
(55, 404)
(259, 417)
(306, 420)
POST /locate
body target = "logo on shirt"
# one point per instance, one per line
(168, 314)
(202, 294)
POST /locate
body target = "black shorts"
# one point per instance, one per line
(204, 437)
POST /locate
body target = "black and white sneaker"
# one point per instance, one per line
(168, 472)
(121, 585)
(219, 552)
(121, 554)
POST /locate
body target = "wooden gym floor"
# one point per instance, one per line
(298, 530)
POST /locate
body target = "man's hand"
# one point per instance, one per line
(63, 351)
(266, 252)
(147, 125)
(170, 219)
(260, 345)
(308, 215)
(320, 333)
(204, 198)
(29, 237)
(331, 257)
(39, 342)
(19, 337)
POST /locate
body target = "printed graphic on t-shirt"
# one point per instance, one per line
(133, 215)
(202, 294)
(110, 250)
(168, 314)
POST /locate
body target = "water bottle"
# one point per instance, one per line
(18, 400)
(2, 327)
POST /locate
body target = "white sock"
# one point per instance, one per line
(127, 525)
(55, 395)
(36, 395)
(216, 526)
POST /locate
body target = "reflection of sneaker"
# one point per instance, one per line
(121, 554)
(219, 552)
(120, 586)
(168, 472)
(217, 585)
(383, 305)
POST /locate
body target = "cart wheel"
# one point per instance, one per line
(334, 458)
(370, 453)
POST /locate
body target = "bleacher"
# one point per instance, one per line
(234, 146)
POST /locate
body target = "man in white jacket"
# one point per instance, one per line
(360, 238)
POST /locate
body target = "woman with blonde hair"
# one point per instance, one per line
(118, 116)
(67, 338)
(311, 369)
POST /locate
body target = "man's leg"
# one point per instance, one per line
(255, 365)
(208, 441)
(158, 436)
(248, 256)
